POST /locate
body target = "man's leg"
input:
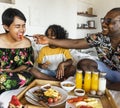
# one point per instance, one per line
(87, 65)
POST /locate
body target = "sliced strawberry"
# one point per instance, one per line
(15, 101)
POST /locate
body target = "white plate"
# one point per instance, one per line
(63, 93)
(94, 104)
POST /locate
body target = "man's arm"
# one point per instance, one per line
(65, 43)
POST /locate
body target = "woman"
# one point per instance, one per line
(16, 52)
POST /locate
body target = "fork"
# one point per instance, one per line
(38, 100)
(29, 35)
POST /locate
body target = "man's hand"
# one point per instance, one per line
(41, 39)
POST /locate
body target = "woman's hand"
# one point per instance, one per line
(41, 39)
(7, 70)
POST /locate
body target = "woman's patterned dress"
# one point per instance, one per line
(12, 59)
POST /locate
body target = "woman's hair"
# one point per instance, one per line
(59, 31)
(9, 14)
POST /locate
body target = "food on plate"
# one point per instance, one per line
(79, 92)
(85, 102)
(50, 95)
(15, 103)
(45, 87)
(67, 85)
(85, 106)
(77, 99)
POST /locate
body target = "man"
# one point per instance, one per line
(107, 44)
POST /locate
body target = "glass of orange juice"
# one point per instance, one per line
(94, 81)
(87, 81)
(78, 79)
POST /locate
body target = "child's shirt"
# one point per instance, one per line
(53, 56)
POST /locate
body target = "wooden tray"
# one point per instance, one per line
(107, 100)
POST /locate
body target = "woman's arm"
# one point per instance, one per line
(23, 67)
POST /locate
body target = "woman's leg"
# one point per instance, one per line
(10, 81)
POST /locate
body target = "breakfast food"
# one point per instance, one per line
(96, 93)
(100, 93)
(79, 92)
(93, 92)
(15, 103)
(68, 85)
(85, 102)
(49, 95)
(21, 37)
(53, 95)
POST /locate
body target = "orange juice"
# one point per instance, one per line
(78, 79)
(87, 81)
(94, 81)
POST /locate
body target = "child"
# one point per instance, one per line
(55, 61)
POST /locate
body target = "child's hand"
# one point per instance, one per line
(45, 65)
(60, 71)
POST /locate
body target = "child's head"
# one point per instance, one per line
(56, 32)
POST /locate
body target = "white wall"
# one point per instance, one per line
(42, 13)
(102, 7)
(82, 6)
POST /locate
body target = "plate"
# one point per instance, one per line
(94, 104)
(63, 93)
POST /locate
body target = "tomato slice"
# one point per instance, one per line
(50, 100)
(76, 99)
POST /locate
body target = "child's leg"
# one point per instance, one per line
(40, 75)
